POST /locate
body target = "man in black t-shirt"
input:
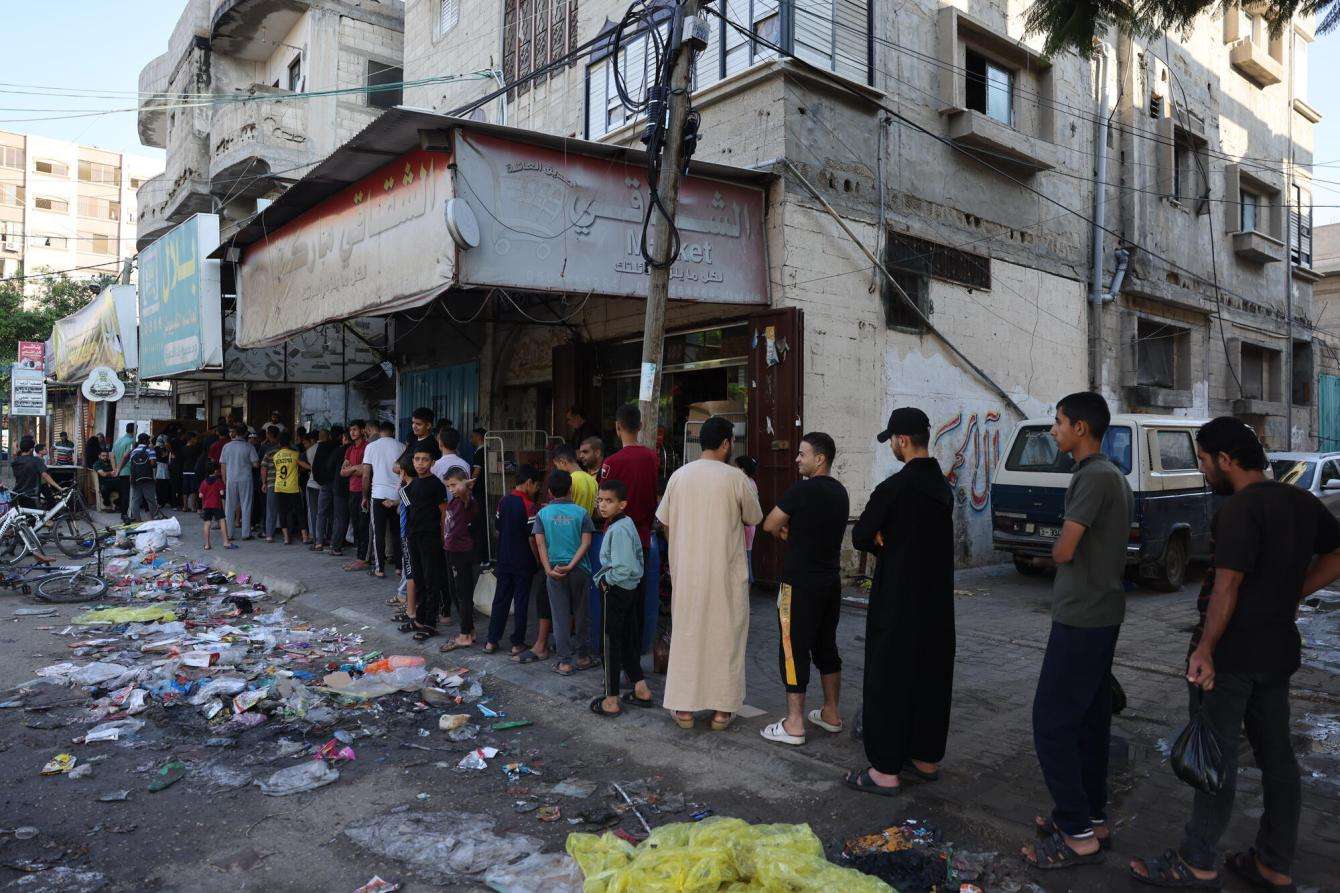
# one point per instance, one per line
(1243, 652)
(812, 518)
(30, 472)
(424, 504)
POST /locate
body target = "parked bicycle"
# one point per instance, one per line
(67, 524)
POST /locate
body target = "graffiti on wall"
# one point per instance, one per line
(968, 449)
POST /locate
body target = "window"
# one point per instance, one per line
(605, 111)
(449, 13)
(54, 168)
(990, 88)
(1188, 181)
(1250, 208)
(897, 314)
(384, 83)
(99, 208)
(94, 172)
(1330, 471)
(1176, 452)
(1259, 370)
(11, 156)
(11, 194)
(768, 28)
(1302, 373)
(1035, 450)
(950, 264)
(1300, 226)
(295, 74)
(1156, 348)
(60, 242)
(1155, 105)
(96, 243)
(58, 205)
(536, 34)
(136, 182)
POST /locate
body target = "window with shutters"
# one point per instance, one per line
(96, 172)
(11, 194)
(385, 85)
(636, 61)
(11, 156)
(59, 205)
(99, 208)
(1300, 225)
(448, 15)
(538, 35)
(53, 168)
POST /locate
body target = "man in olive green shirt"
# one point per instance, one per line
(1072, 708)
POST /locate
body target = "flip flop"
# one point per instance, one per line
(1053, 853)
(1244, 866)
(453, 645)
(1044, 828)
(422, 635)
(490, 648)
(393, 601)
(682, 722)
(721, 725)
(598, 708)
(406, 627)
(558, 668)
(528, 657)
(1171, 870)
(592, 663)
(816, 716)
(632, 698)
(861, 781)
(777, 733)
(910, 768)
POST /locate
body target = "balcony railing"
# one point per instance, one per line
(255, 142)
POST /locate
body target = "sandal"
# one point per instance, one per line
(816, 716)
(395, 600)
(598, 708)
(400, 617)
(1044, 827)
(721, 725)
(559, 669)
(591, 664)
(490, 648)
(684, 722)
(1171, 870)
(518, 650)
(422, 635)
(910, 768)
(632, 698)
(1052, 853)
(528, 657)
(777, 733)
(861, 781)
(453, 645)
(407, 626)
(1244, 866)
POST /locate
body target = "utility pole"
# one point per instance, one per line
(658, 291)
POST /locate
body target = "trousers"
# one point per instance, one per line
(359, 516)
(428, 562)
(339, 519)
(383, 536)
(461, 567)
(237, 495)
(619, 637)
(512, 593)
(143, 499)
(568, 599)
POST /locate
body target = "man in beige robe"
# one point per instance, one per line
(706, 506)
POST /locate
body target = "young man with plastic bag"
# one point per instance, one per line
(1243, 652)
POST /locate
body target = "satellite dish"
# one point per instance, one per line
(461, 223)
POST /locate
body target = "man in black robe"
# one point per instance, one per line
(908, 525)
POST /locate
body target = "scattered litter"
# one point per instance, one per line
(573, 787)
(549, 814)
(296, 779)
(514, 771)
(971, 866)
(113, 731)
(537, 873)
(714, 854)
(467, 732)
(168, 774)
(146, 614)
(489, 712)
(59, 764)
(114, 796)
(35, 612)
(334, 751)
(83, 770)
(441, 846)
(510, 724)
(450, 722)
(377, 885)
(60, 879)
(476, 759)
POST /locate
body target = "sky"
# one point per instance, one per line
(89, 61)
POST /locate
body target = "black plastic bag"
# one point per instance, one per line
(1197, 758)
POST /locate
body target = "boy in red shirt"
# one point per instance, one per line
(211, 504)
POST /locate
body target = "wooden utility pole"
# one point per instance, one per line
(658, 291)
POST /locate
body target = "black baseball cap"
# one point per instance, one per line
(905, 420)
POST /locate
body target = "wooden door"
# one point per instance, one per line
(776, 401)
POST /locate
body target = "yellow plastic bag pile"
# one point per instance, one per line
(159, 613)
(717, 854)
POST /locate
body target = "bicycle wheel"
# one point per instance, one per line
(13, 547)
(78, 587)
(75, 535)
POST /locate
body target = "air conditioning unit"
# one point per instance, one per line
(9, 246)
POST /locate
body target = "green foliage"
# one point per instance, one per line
(29, 317)
(1074, 24)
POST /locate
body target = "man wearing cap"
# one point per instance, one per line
(908, 525)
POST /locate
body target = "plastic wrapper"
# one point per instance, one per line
(219, 687)
(295, 779)
(150, 540)
(394, 662)
(374, 685)
(441, 846)
(94, 673)
(537, 873)
(716, 854)
(113, 731)
(1196, 756)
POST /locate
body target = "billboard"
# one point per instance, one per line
(180, 322)
(102, 333)
(556, 221)
(27, 391)
(32, 354)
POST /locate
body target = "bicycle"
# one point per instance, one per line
(61, 583)
(67, 523)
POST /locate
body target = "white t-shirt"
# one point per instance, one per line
(382, 454)
(310, 455)
(441, 466)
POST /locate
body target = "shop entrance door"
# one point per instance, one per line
(776, 400)
(261, 403)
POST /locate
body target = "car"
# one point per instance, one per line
(1173, 505)
(1318, 473)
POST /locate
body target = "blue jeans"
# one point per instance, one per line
(1072, 723)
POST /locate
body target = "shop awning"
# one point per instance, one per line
(101, 334)
(365, 232)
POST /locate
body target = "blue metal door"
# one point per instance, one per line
(451, 392)
(1328, 393)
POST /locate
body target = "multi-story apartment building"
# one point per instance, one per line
(970, 161)
(251, 93)
(64, 206)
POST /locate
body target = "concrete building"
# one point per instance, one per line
(967, 160)
(248, 96)
(1326, 346)
(64, 206)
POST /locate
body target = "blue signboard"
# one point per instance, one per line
(180, 323)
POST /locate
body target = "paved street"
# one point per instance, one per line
(215, 832)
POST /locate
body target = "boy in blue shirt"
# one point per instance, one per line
(562, 537)
(619, 577)
(516, 564)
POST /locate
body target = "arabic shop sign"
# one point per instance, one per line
(27, 391)
(180, 323)
(555, 221)
(103, 385)
(102, 333)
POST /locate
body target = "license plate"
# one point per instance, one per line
(1051, 532)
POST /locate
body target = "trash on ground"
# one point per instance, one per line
(59, 764)
(441, 846)
(450, 722)
(146, 614)
(377, 885)
(537, 873)
(573, 787)
(114, 796)
(296, 779)
(477, 758)
(168, 774)
(510, 724)
(83, 770)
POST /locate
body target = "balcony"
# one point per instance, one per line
(1258, 247)
(257, 144)
(1255, 64)
(999, 144)
(155, 85)
(151, 204)
(169, 198)
(251, 29)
